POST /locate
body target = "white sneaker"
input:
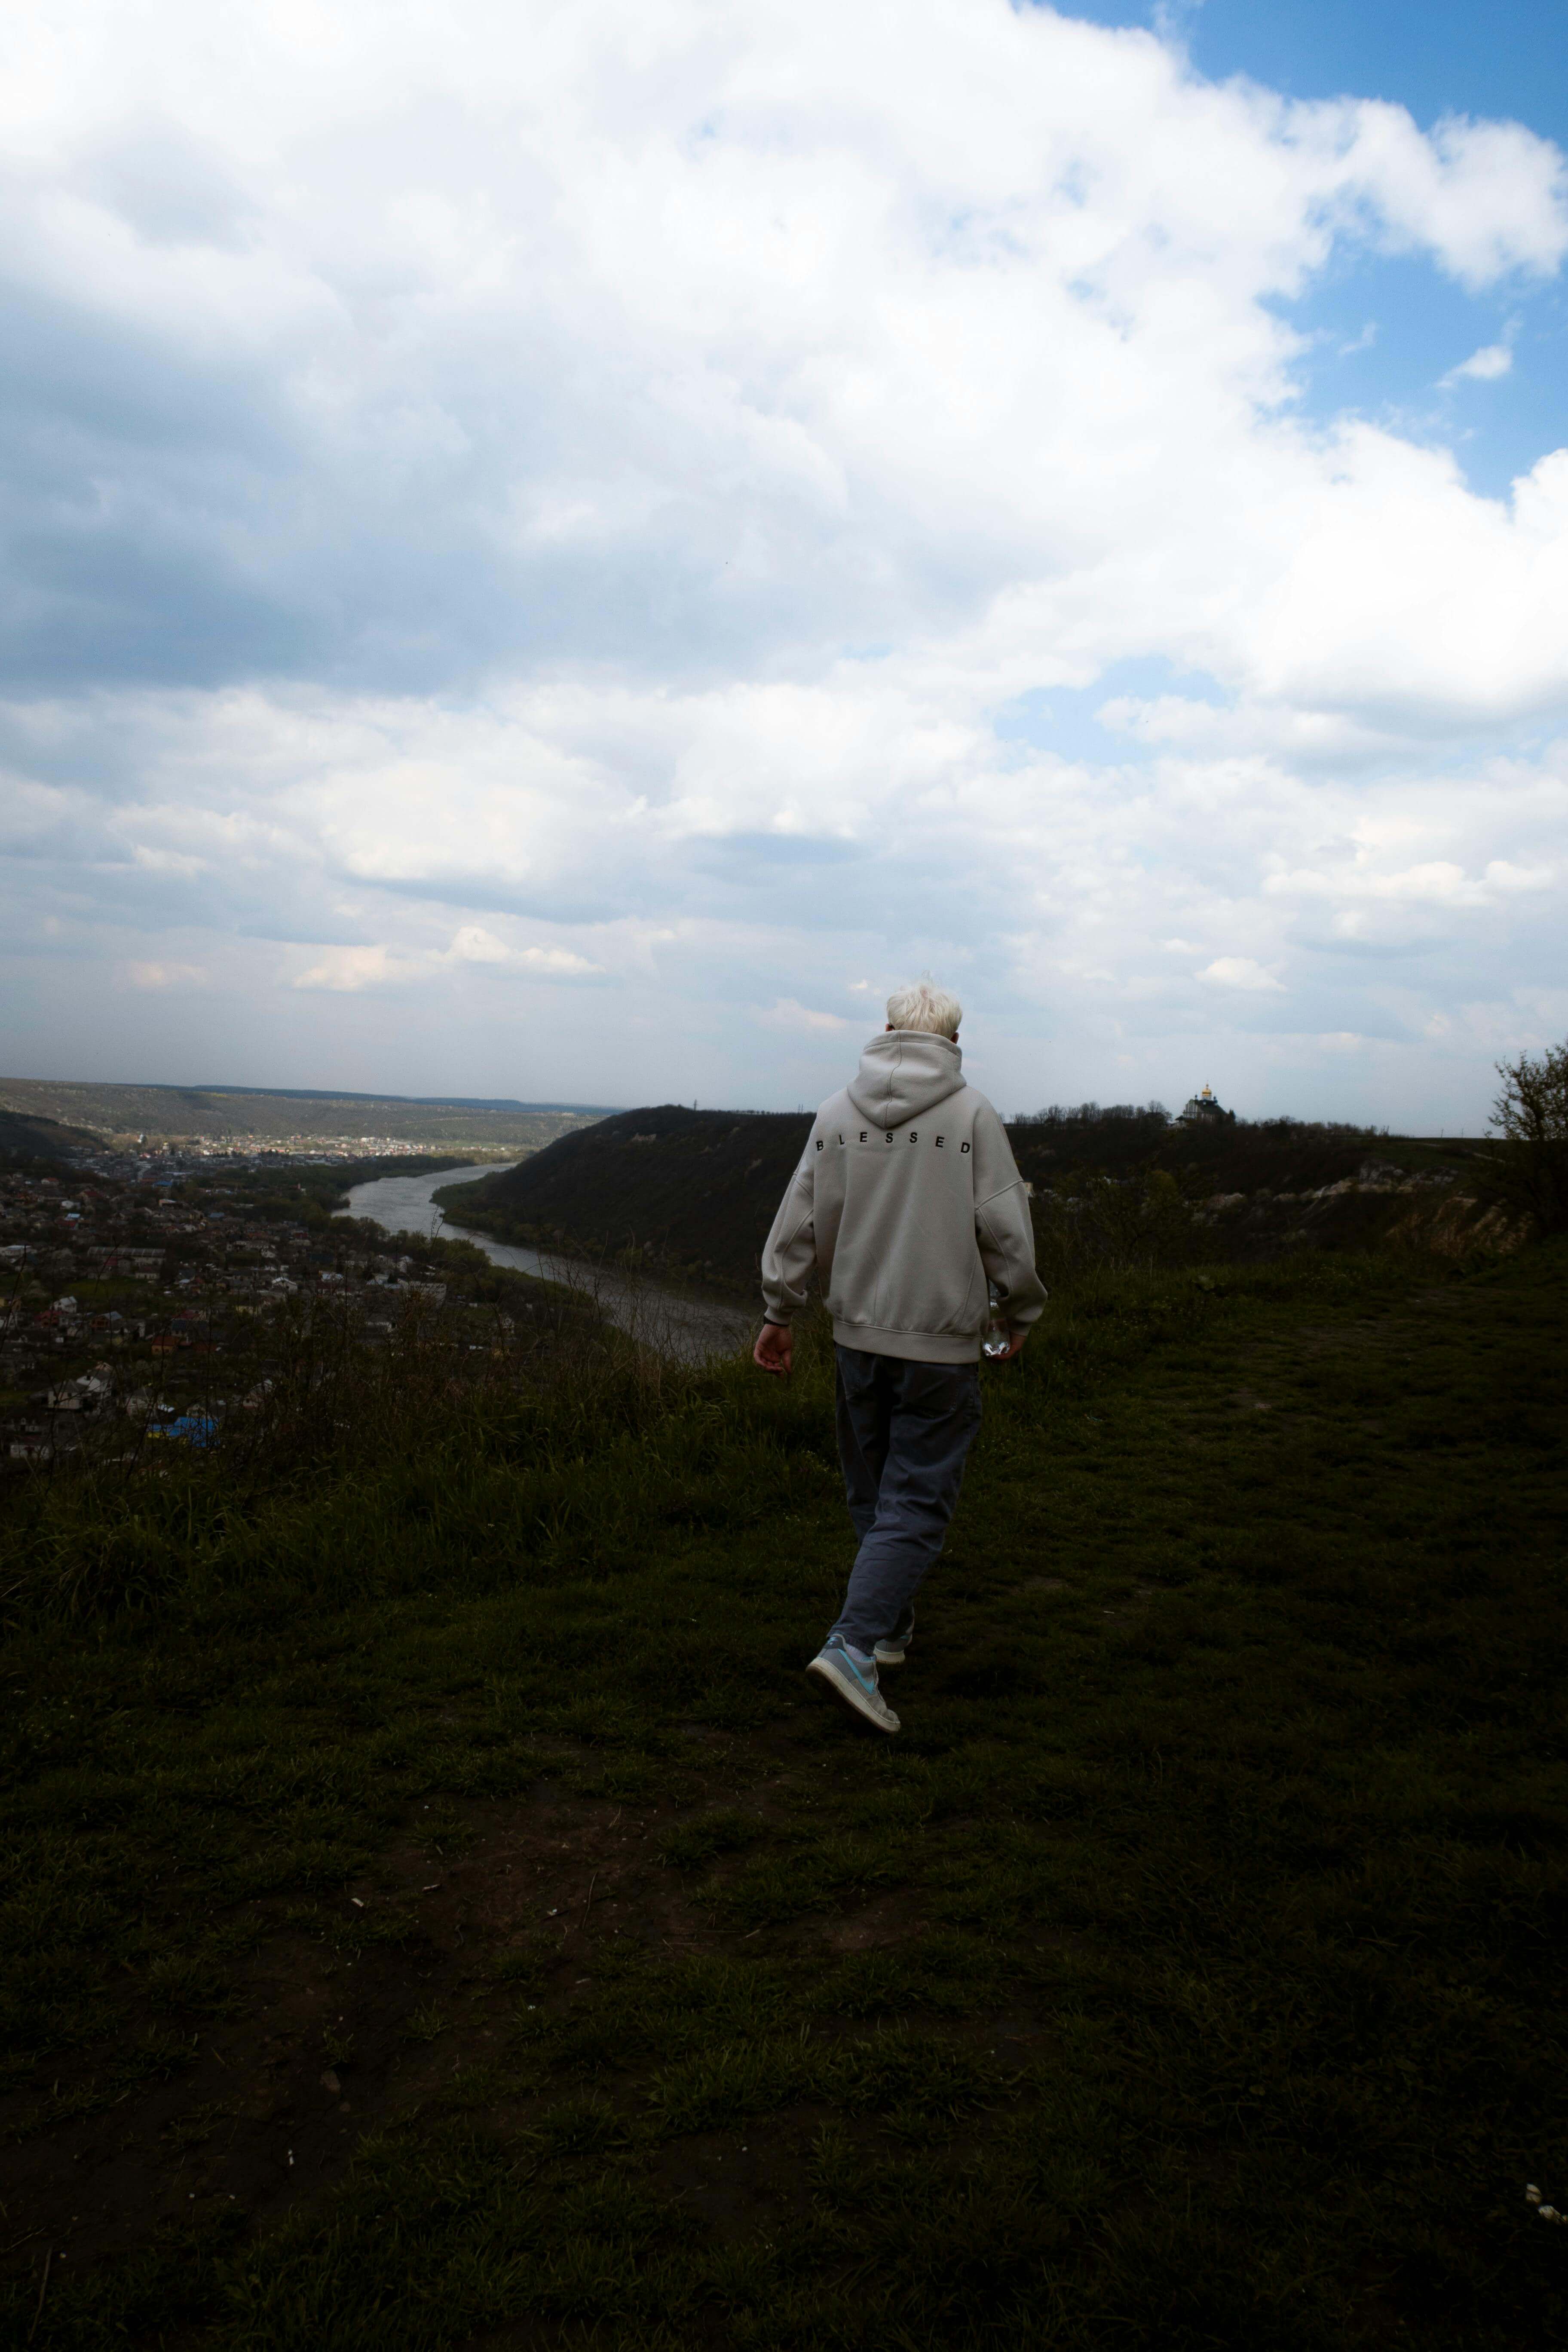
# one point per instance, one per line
(855, 1685)
(894, 1650)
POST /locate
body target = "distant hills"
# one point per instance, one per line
(275, 1115)
(419, 1102)
(692, 1193)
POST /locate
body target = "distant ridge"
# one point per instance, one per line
(343, 1094)
(272, 1115)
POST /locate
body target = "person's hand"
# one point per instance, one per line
(774, 1350)
(1016, 1339)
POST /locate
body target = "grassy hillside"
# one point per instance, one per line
(691, 1195)
(441, 1914)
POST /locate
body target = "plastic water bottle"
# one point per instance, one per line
(998, 1338)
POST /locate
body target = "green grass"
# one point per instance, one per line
(1184, 1975)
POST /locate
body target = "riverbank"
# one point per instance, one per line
(673, 1322)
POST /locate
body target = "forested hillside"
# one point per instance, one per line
(25, 1138)
(691, 1194)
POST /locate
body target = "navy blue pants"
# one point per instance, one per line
(904, 1433)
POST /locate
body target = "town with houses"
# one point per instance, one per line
(160, 1245)
(136, 1289)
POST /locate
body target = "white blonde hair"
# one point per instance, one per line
(924, 1005)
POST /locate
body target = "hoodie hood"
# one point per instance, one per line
(903, 1074)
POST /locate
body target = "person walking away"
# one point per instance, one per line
(908, 1205)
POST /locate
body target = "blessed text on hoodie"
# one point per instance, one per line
(907, 1201)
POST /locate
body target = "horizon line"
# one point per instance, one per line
(325, 1094)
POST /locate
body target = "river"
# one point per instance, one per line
(692, 1330)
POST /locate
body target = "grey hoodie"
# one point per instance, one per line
(906, 1199)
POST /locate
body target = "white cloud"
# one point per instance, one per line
(1501, 875)
(576, 495)
(1239, 972)
(784, 1012)
(346, 970)
(1311, 740)
(168, 861)
(165, 976)
(474, 944)
(1486, 197)
(1483, 366)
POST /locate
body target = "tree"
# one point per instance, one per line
(1529, 1167)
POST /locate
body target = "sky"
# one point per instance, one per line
(562, 551)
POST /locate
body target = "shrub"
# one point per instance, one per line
(1529, 1169)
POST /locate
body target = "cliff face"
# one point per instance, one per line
(691, 1193)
